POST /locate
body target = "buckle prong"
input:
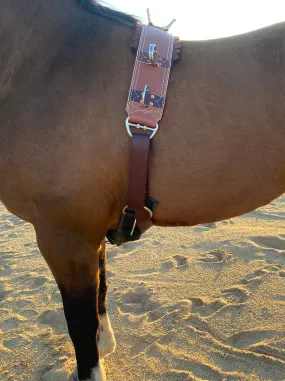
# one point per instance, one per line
(152, 54)
(144, 92)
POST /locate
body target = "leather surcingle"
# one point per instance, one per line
(156, 51)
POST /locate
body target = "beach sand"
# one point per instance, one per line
(199, 303)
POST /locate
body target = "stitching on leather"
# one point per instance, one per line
(139, 64)
(136, 71)
(166, 73)
(171, 42)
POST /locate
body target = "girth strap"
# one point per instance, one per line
(138, 181)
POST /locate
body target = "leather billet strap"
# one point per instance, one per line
(145, 108)
(154, 76)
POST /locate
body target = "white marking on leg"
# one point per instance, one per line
(97, 373)
(106, 341)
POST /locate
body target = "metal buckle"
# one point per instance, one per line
(135, 222)
(140, 127)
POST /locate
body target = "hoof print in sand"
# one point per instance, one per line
(235, 294)
(180, 260)
(205, 307)
(176, 262)
(15, 342)
(247, 339)
(29, 282)
(256, 275)
(167, 265)
(138, 302)
(54, 319)
(215, 256)
(272, 242)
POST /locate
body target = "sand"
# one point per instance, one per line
(200, 303)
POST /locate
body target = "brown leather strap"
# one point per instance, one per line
(138, 180)
(145, 108)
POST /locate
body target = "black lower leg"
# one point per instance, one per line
(75, 265)
(103, 281)
(82, 321)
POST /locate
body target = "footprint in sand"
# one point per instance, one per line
(30, 282)
(28, 313)
(235, 294)
(282, 274)
(138, 302)
(245, 339)
(215, 256)
(179, 262)
(167, 265)
(15, 342)
(54, 319)
(205, 307)
(257, 274)
(12, 323)
(169, 312)
(272, 242)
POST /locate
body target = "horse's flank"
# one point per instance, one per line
(64, 152)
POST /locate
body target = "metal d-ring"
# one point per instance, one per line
(145, 90)
(152, 53)
(153, 130)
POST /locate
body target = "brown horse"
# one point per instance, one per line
(64, 152)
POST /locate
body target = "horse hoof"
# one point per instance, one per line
(106, 342)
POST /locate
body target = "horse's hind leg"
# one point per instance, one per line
(106, 342)
(74, 263)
